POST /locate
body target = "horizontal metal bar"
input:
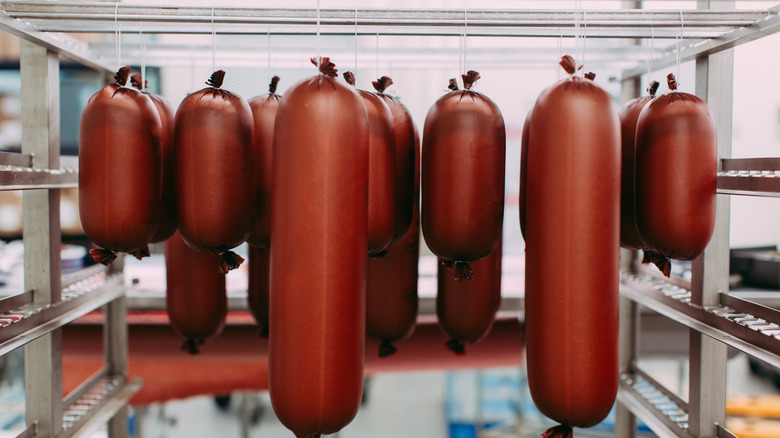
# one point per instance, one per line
(737, 37)
(16, 159)
(402, 17)
(30, 432)
(659, 423)
(77, 300)
(349, 30)
(144, 300)
(78, 392)
(104, 400)
(82, 274)
(750, 308)
(14, 301)
(750, 183)
(15, 178)
(288, 55)
(107, 18)
(763, 297)
(743, 333)
(64, 45)
(765, 164)
(682, 404)
(722, 432)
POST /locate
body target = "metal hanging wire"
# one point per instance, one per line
(213, 43)
(117, 37)
(679, 41)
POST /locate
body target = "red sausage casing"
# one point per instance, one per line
(259, 286)
(264, 114)
(214, 173)
(463, 160)
(168, 215)
(120, 168)
(319, 219)
(403, 130)
(676, 175)
(572, 252)
(196, 299)
(381, 173)
(629, 113)
(523, 170)
(391, 296)
(466, 309)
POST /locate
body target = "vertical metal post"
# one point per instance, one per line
(40, 72)
(115, 343)
(707, 385)
(625, 421)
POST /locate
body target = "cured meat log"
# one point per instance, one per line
(264, 109)
(214, 173)
(676, 177)
(120, 169)
(629, 113)
(572, 252)
(463, 160)
(196, 298)
(391, 296)
(167, 224)
(319, 221)
(466, 309)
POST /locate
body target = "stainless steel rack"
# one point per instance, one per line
(716, 318)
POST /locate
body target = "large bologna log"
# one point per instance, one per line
(676, 177)
(196, 298)
(214, 173)
(572, 252)
(466, 309)
(391, 296)
(264, 109)
(319, 219)
(629, 114)
(120, 169)
(167, 224)
(462, 176)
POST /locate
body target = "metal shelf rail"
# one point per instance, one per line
(716, 319)
(33, 319)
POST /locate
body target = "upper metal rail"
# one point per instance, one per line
(64, 45)
(736, 37)
(108, 18)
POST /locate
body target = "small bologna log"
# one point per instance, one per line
(463, 160)
(214, 173)
(676, 177)
(196, 299)
(120, 169)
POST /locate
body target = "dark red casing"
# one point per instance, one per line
(319, 220)
(391, 296)
(572, 252)
(676, 175)
(463, 161)
(120, 169)
(264, 114)
(215, 193)
(196, 299)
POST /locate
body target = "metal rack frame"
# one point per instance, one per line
(716, 319)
